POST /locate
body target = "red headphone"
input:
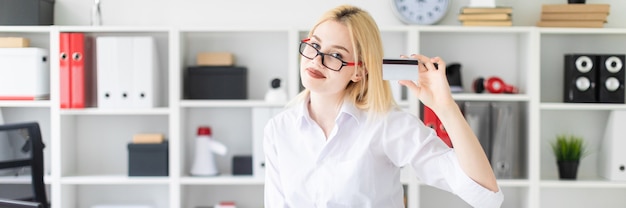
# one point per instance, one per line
(493, 85)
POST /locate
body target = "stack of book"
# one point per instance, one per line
(574, 15)
(486, 16)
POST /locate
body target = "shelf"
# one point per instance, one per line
(222, 180)
(124, 29)
(570, 31)
(22, 180)
(39, 29)
(582, 183)
(232, 29)
(114, 179)
(513, 183)
(228, 103)
(457, 29)
(22, 103)
(490, 97)
(121, 111)
(582, 106)
(231, 180)
(503, 183)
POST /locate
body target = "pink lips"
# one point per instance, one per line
(315, 74)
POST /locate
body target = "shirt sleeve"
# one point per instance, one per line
(463, 186)
(408, 142)
(273, 192)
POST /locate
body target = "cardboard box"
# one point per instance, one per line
(215, 59)
(148, 138)
(14, 42)
(26, 12)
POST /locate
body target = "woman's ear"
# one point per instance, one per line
(358, 76)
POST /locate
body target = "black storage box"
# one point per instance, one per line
(216, 82)
(148, 159)
(242, 165)
(26, 12)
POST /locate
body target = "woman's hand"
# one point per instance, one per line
(432, 86)
(433, 90)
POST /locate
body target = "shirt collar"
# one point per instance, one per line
(347, 108)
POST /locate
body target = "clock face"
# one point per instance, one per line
(422, 12)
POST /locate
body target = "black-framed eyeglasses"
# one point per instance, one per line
(333, 62)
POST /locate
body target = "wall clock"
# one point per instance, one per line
(420, 12)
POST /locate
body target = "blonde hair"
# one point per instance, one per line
(372, 93)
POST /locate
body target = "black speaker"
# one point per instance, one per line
(611, 78)
(242, 165)
(453, 73)
(579, 81)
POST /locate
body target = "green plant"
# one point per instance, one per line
(569, 148)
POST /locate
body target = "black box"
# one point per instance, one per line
(242, 165)
(216, 82)
(26, 12)
(148, 159)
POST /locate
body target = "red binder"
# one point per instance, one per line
(64, 72)
(77, 70)
(431, 120)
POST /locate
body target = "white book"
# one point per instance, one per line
(483, 3)
(127, 72)
(478, 116)
(109, 89)
(144, 92)
(612, 158)
(260, 117)
(507, 148)
(125, 68)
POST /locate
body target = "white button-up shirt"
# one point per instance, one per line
(358, 165)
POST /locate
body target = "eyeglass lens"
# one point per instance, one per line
(329, 61)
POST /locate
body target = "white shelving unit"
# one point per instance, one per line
(86, 155)
(586, 120)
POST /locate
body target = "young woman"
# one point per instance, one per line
(342, 141)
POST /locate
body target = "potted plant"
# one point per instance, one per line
(568, 150)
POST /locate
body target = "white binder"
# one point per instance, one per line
(127, 72)
(144, 89)
(506, 145)
(478, 116)
(24, 74)
(612, 158)
(108, 63)
(260, 117)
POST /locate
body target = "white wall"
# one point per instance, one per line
(290, 13)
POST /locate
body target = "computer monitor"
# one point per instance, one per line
(7, 203)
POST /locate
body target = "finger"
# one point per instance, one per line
(429, 63)
(409, 84)
(422, 60)
(441, 65)
(419, 68)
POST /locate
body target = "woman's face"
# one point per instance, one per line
(332, 39)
